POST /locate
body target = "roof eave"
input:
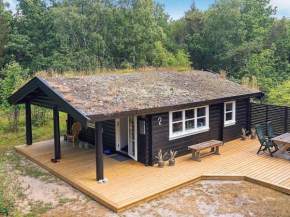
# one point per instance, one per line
(103, 117)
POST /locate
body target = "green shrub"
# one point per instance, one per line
(128, 70)
(162, 57)
(183, 69)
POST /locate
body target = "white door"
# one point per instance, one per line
(132, 137)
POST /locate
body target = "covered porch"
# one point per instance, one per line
(39, 93)
(130, 183)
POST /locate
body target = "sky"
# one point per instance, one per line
(176, 8)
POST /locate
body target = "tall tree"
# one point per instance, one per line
(79, 25)
(32, 37)
(3, 34)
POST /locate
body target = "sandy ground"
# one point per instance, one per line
(38, 193)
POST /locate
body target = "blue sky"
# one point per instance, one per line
(176, 8)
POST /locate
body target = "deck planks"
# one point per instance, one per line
(131, 183)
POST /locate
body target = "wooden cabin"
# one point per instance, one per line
(137, 114)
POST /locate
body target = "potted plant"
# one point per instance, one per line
(244, 134)
(172, 157)
(161, 158)
(253, 133)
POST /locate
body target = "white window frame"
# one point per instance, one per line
(184, 132)
(233, 121)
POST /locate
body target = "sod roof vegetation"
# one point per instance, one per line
(114, 93)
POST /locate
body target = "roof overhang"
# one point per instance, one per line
(102, 117)
(53, 99)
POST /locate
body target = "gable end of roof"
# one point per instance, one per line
(38, 82)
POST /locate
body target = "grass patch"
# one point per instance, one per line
(10, 139)
(63, 201)
(39, 208)
(34, 172)
(183, 69)
(6, 202)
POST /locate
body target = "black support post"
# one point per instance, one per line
(99, 150)
(68, 125)
(28, 123)
(56, 133)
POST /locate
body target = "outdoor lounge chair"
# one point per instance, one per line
(265, 142)
(270, 130)
(74, 134)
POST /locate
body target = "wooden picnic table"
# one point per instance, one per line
(283, 141)
(213, 144)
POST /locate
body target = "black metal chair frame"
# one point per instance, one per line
(270, 130)
(266, 143)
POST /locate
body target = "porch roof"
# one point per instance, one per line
(107, 96)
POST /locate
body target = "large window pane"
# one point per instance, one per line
(189, 125)
(229, 106)
(189, 114)
(200, 122)
(177, 127)
(201, 112)
(229, 116)
(177, 116)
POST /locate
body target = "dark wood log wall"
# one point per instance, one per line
(160, 133)
(144, 141)
(109, 136)
(87, 135)
(157, 136)
(235, 131)
(141, 143)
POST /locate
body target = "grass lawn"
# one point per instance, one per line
(9, 139)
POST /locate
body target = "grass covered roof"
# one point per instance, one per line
(114, 93)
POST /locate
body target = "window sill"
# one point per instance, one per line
(229, 124)
(189, 134)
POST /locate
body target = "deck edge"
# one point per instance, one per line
(117, 208)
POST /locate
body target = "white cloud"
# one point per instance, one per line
(12, 4)
(283, 7)
(281, 4)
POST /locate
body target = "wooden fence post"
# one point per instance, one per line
(249, 117)
(286, 120)
(266, 117)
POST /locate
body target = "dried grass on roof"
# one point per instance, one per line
(113, 93)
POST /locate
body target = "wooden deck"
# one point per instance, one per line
(131, 183)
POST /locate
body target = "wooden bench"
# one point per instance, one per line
(213, 144)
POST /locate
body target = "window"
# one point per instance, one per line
(188, 121)
(230, 113)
